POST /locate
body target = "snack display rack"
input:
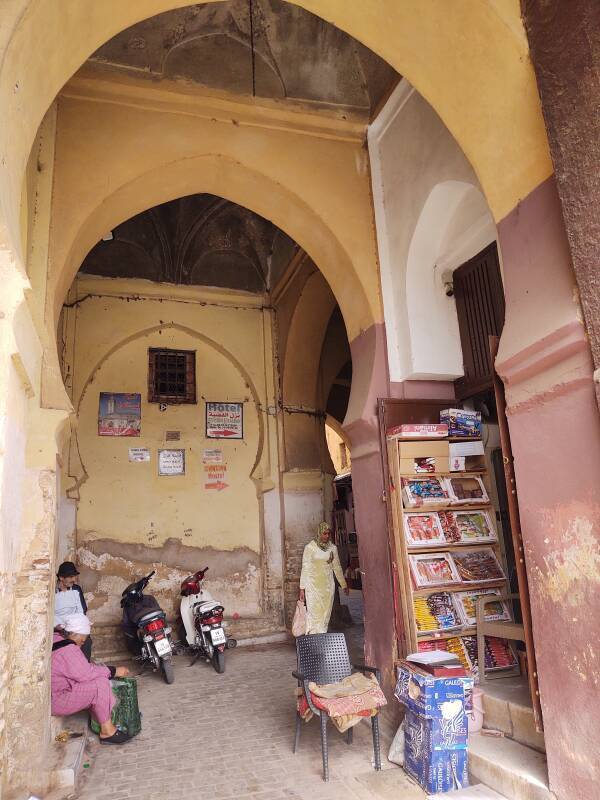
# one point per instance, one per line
(448, 553)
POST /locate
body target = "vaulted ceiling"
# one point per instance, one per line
(266, 48)
(197, 240)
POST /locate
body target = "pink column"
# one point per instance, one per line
(546, 366)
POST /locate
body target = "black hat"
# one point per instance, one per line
(67, 569)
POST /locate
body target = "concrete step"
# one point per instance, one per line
(68, 757)
(476, 792)
(507, 708)
(510, 768)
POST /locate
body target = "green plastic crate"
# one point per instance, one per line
(126, 713)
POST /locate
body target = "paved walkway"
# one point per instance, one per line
(225, 736)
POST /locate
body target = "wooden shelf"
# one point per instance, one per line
(447, 507)
(456, 634)
(415, 548)
(401, 550)
(459, 587)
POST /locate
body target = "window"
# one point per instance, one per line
(171, 376)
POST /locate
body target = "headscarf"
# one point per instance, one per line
(78, 623)
(324, 526)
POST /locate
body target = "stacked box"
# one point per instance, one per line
(435, 728)
(427, 696)
(461, 422)
(436, 769)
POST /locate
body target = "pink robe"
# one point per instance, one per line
(76, 684)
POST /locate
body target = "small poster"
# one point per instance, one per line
(119, 414)
(171, 462)
(224, 420)
(212, 456)
(214, 477)
(139, 454)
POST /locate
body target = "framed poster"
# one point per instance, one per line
(171, 462)
(224, 420)
(119, 414)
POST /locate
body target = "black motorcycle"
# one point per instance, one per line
(145, 627)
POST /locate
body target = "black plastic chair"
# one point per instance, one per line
(323, 658)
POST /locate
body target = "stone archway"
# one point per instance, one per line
(417, 41)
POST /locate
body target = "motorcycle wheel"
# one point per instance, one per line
(168, 671)
(218, 661)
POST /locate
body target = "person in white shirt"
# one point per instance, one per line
(69, 600)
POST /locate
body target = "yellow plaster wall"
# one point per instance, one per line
(122, 504)
(475, 58)
(314, 186)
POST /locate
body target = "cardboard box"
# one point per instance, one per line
(421, 431)
(429, 697)
(461, 422)
(423, 449)
(435, 768)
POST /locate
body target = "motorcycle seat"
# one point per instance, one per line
(156, 613)
(206, 605)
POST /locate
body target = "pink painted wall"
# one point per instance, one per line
(546, 366)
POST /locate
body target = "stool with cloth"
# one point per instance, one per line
(327, 688)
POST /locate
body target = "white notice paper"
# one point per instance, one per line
(171, 462)
(212, 456)
(139, 454)
(466, 448)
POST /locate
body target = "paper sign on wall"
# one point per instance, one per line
(139, 454)
(171, 462)
(224, 420)
(214, 477)
(212, 456)
(119, 414)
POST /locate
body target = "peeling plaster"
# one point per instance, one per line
(108, 566)
(569, 569)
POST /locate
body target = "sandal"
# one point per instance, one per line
(118, 737)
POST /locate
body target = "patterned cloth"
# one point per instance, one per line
(346, 702)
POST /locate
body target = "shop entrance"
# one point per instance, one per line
(484, 457)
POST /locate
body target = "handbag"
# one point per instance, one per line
(299, 623)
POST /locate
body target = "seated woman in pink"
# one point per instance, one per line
(76, 684)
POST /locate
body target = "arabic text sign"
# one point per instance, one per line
(119, 414)
(171, 462)
(224, 420)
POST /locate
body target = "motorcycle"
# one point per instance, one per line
(145, 626)
(202, 618)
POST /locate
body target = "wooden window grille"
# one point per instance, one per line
(171, 376)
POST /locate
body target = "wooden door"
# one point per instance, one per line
(480, 309)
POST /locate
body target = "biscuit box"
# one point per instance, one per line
(432, 698)
(461, 422)
(435, 770)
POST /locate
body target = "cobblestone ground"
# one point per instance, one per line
(225, 736)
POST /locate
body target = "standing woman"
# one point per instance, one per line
(320, 561)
